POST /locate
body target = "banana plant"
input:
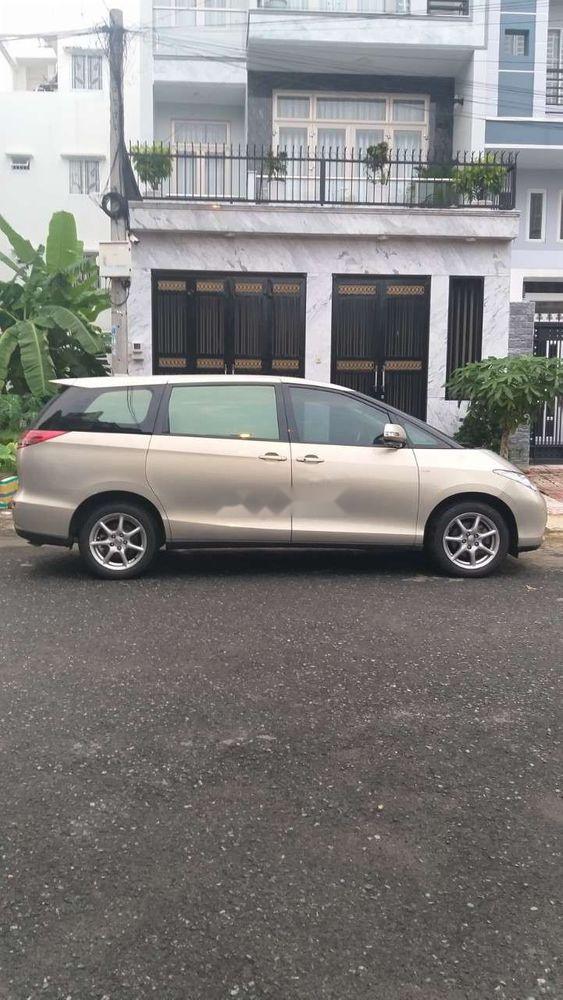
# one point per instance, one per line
(48, 310)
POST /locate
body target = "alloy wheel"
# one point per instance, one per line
(471, 540)
(117, 541)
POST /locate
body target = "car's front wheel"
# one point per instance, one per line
(118, 540)
(468, 539)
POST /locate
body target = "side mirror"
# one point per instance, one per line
(394, 436)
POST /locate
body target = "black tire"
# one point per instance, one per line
(440, 525)
(147, 535)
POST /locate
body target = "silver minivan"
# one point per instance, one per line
(124, 466)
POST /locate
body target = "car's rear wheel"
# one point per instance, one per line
(118, 540)
(468, 539)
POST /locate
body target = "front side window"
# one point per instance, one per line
(108, 411)
(422, 437)
(86, 71)
(243, 412)
(327, 417)
(84, 176)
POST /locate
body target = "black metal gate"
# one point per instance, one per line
(380, 338)
(213, 323)
(546, 445)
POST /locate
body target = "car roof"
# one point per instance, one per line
(116, 381)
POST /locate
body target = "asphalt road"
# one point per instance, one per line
(279, 776)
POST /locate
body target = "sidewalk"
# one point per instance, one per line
(549, 479)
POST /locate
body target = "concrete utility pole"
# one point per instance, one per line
(119, 288)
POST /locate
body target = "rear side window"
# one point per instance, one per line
(109, 411)
(224, 411)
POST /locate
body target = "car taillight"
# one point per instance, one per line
(37, 437)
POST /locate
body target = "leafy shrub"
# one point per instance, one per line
(17, 412)
(479, 429)
(8, 459)
(509, 391)
(478, 181)
(152, 163)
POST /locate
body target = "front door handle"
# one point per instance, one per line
(310, 459)
(273, 456)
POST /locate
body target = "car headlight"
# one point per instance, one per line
(517, 477)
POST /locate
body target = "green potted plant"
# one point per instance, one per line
(476, 183)
(273, 167)
(376, 162)
(434, 187)
(508, 392)
(153, 163)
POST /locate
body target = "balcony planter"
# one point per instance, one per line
(376, 162)
(477, 183)
(434, 187)
(153, 164)
(273, 167)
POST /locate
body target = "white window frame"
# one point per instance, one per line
(513, 33)
(555, 65)
(560, 219)
(84, 160)
(529, 193)
(77, 54)
(171, 15)
(203, 146)
(202, 178)
(313, 122)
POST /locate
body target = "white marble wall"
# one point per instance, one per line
(321, 257)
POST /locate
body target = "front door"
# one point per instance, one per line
(380, 338)
(348, 488)
(244, 324)
(221, 465)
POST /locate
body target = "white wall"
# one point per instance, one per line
(47, 126)
(319, 259)
(547, 254)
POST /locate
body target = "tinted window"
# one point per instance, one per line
(224, 411)
(130, 410)
(334, 418)
(422, 437)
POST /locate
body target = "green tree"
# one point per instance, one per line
(48, 310)
(508, 391)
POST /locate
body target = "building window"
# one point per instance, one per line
(536, 216)
(465, 323)
(86, 71)
(84, 176)
(554, 88)
(191, 13)
(20, 162)
(516, 42)
(338, 121)
(200, 133)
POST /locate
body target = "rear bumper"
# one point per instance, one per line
(38, 539)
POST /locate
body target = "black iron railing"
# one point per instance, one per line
(370, 177)
(554, 87)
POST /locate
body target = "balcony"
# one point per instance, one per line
(351, 36)
(370, 178)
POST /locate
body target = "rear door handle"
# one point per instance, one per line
(310, 459)
(273, 456)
